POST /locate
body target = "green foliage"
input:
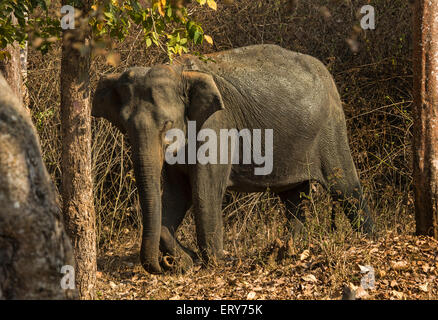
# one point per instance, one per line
(19, 18)
(164, 23)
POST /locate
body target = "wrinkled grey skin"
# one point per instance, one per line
(255, 87)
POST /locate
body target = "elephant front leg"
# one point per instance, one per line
(176, 201)
(209, 185)
(209, 229)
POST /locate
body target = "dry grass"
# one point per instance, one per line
(375, 85)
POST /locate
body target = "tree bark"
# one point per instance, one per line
(425, 131)
(11, 68)
(33, 243)
(77, 184)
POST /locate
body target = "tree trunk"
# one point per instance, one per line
(11, 68)
(425, 132)
(77, 184)
(33, 243)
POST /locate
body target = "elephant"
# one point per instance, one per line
(254, 87)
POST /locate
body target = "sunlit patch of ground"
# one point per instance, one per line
(406, 267)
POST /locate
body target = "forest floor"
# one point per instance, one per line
(405, 267)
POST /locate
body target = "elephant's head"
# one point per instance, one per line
(144, 103)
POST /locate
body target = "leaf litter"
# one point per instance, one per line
(405, 267)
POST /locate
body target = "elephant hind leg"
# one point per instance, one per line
(344, 186)
(293, 200)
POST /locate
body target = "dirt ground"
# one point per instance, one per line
(405, 268)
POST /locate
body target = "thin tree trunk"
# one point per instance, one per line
(11, 68)
(77, 185)
(425, 132)
(33, 243)
(23, 66)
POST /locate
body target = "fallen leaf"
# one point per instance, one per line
(382, 273)
(364, 269)
(397, 294)
(399, 265)
(212, 4)
(208, 39)
(251, 295)
(361, 293)
(304, 255)
(425, 268)
(309, 278)
(424, 287)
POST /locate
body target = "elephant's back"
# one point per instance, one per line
(269, 64)
(291, 85)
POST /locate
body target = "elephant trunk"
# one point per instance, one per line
(147, 168)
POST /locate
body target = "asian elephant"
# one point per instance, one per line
(254, 87)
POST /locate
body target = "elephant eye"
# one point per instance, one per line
(167, 125)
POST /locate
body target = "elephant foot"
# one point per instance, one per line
(213, 259)
(150, 267)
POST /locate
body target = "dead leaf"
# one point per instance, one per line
(397, 294)
(208, 39)
(304, 255)
(424, 287)
(361, 293)
(251, 295)
(399, 265)
(425, 267)
(381, 273)
(309, 278)
(212, 4)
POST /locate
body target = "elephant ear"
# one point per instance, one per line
(204, 97)
(107, 101)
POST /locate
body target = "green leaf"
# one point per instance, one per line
(109, 15)
(148, 42)
(197, 37)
